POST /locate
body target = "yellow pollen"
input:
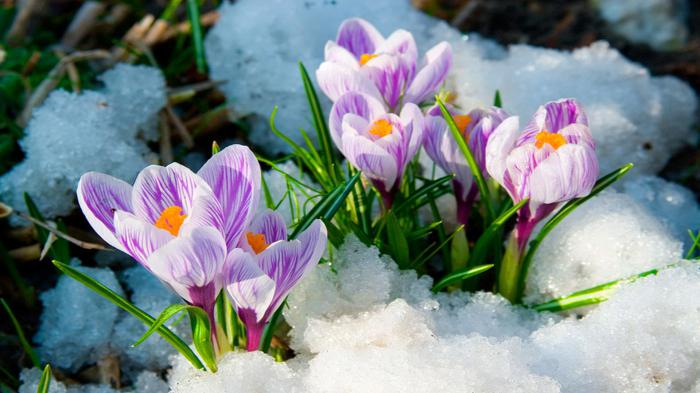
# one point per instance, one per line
(257, 241)
(381, 128)
(554, 140)
(171, 219)
(462, 122)
(366, 57)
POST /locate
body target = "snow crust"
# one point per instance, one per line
(634, 117)
(70, 134)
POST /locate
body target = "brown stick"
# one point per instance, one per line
(83, 22)
(77, 242)
(18, 30)
(182, 131)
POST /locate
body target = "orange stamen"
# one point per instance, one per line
(256, 241)
(366, 57)
(554, 140)
(381, 128)
(171, 219)
(462, 122)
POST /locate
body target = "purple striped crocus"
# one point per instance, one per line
(259, 275)
(378, 143)
(362, 60)
(177, 224)
(551, 161)
(476, 128)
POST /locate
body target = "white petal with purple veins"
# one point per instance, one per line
(248, 287)
(139, 238)
(438, 61)
(157, 188)
(99, 197)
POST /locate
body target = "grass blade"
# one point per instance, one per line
(396, 242)
(425, 190)
(602, 183)
(427, 254)
(266, 338)
(197, 38)
(473, 166)
(487, 237)
(497, 102)
(45, 380)
(460, 275)
(125, 305)
(20, 335)
(324, 135)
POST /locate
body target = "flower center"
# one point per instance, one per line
(554, 140)
(171, 219)
(256, 241)
(366, 57)
(381, 128)
(462, 122)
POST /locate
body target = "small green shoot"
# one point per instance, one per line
(20, 335)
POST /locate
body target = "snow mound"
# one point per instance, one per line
(77, 323)
(70, 134)
(658, 23)
(147, 382)
(611, 236)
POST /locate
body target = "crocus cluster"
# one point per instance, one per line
(375, 84)
(198, 233)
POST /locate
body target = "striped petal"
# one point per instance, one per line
(190, 262)
(139, 238)
(400, 42)
(234, 177)
(501, 142)
(99, 197)
(438, 61)
(251, 291)
(337, 54)
(359, 37)
(569, 172)
(336, 79)
(287, 262)
(157, 188)
(553, 117)
(271, 224)
(390, 74)
(373, 161)
(206, 211)
(364, 106)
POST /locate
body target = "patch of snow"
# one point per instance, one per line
(70, 134)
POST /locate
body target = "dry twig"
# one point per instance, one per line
(77, 242)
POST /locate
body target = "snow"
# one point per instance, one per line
(70, 134)
(611, 236)
(660, 24)
(147, 382)
(634, 117)
(77, 323)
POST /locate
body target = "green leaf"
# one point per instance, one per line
(270, 328)
(397, 243)
(602, 183)
(215, 148)
(428, 253)
(593, 295)
(201, 336)
(324, 135)
(488, 237)
(425, 190)
(473, 166)
(59, 248)
(125, 305)
(45, 380)
(423, 231)
(460, 275)
(20, 335)
(497, 99)
(197, 38)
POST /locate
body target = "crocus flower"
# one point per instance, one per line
(551, 161)
(177, 224)
(476, 128)
(378, 143)
(259, 275)
(361, 60)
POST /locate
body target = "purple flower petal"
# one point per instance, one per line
(521, 162)
(569, 172)
(438, 61)
(99, 197)
(373, 161)
(501, 142)
(364, 106)
(139, 238)
(401, 42)
(271, 224)
(578, 134)
(335, 53)
(414, 123)
(206, 211)
(248, 287)
(552, 117)
(359, 37)
(390, 74)
(287, 262)
(157, 188)
(234, 176)
(443, 150)
(190, 262)
(336, 79)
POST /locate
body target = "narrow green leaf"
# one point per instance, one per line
(488, 237)
(397, 243)
(602, 183)
(344, 192)
(593, 295)
(166, 314)
(270, 328)
(20, 335)
(696, 243)
(125, 305)
(497, 99)
(202, 337)
(426, 189)
(460, 275)
(473, 166)
(428, 253)
(423, 231)
(45, 380)
(324, 135)
(197, 37)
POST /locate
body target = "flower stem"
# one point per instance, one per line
(254, 333)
